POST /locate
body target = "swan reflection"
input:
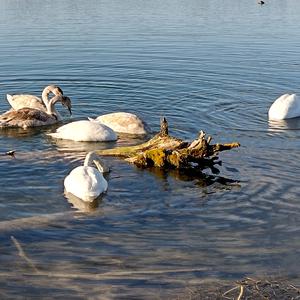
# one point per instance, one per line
(83, 206)
(288, 124)
(73, 146)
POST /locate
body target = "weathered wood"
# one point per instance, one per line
(165, 151)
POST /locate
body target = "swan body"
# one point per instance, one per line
(85, 131)
(286, 106)
(31, 117)
(87, 182)
(31, 101)
(124, 122)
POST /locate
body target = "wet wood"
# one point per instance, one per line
(165, 151)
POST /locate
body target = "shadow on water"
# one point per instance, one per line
(201, 179)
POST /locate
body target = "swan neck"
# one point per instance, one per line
(91, 159)
(88, 160)
(50, 105)
(56, 90)
(45, 95)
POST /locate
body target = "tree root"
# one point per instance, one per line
(165, 151)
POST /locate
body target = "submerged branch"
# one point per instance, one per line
(23, 255)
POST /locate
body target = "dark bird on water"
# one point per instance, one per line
(11, 153)
(261, 2)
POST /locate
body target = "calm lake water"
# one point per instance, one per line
(214, 65)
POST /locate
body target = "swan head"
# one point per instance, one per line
(66, 102)
(56, 90)
(100, 165)
(92, 157)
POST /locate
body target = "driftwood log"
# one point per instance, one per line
(165, 151)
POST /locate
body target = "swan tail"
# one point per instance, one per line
(93, 120)
(9, 97)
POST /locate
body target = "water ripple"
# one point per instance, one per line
(205, 65)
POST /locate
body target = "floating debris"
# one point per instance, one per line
(167, 152)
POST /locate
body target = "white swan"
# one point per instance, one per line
(31, 117)
(124, 122)
(85, 131)
(87, 182)
(31, 101)
(285, 107)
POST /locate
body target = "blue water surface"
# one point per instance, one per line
(211, 65)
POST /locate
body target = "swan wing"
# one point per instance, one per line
(124, 122)
(85, 131)
(86, 183)
(26, 117)
(23, 100)
(92, 120)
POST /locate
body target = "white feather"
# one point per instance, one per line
(285, 107)
(124, 122)
(85, 131)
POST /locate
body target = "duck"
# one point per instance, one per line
(31, 117)
(85, 131)
(286, 106)
(124, 122)
(31, 101)
(87, 182)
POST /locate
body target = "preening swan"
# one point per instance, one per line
(87, 182)
(31, 117)
(85, 131)
(31, 101)
(124, 122)
(285, 107)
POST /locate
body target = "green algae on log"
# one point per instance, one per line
(165, 151)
